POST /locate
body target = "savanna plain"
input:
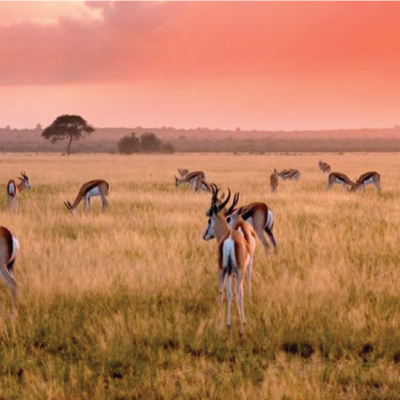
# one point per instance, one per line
(123, 304)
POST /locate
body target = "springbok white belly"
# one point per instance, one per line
(250, 221)
(93, 192)
(15, 248)
(11, 189)
(369, 181)
(193, 181)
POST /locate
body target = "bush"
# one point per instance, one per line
(150, 143)
(147, 143)
(168, 148)
(130, 144)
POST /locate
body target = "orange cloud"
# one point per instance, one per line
(160, 39)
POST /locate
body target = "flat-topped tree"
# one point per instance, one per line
(72, 127)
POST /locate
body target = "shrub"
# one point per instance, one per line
(150, 143)
(147, 143)
(130, 144)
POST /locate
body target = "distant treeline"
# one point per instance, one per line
(106, 140)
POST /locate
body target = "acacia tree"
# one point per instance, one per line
(71, 127)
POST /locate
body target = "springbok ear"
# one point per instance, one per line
(21, 179)
(222, 196)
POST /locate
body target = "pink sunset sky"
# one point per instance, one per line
(272, 66)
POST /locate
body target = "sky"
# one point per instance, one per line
(254, 65)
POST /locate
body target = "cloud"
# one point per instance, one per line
(194, 40)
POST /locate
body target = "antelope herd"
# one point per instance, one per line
(235, 228)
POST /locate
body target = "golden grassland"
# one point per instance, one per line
(123, 305)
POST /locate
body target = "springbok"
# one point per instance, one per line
(292, 174)
(234, 258)
(258, 215)
(369, 178)
(324, 167)
(9, 246)
(341, 179)
(97, 187)
(13, 190)
(273, 179)
(236, 222)
(191, 178)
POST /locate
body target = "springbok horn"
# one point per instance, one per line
(222, 205)
(214, 191)
(233, 205)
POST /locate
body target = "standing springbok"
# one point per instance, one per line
(13, 190)
(273, 179)
(234, 257)
(292, 174)
(9, 246)
(368, 178)
(341, 179)
(324, 167)
(258, 215)
(236, 222)
(97, 187)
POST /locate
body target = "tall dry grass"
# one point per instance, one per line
(124, 304)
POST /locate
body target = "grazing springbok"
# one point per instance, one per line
(13, 190)
(324, 167)
(273, 179)
(234, 257)
(369, 178)
(340, 179)
(9, 246)
(258, 215)
(97, 187)
(191, 178)
(292, 174)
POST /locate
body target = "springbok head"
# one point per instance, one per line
(25, 180)
(356, 186)
(209, 232)
(179, 181)
(71, 209)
